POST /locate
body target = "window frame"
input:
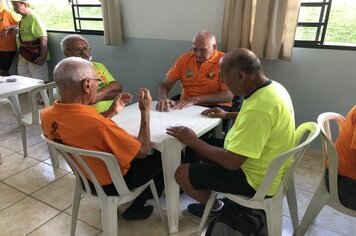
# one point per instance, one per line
(75, 6)
(321, 25)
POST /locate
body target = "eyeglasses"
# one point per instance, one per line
(78, 49)
(100, 82)
(201, 50)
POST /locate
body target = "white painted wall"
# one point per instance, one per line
(171, 19)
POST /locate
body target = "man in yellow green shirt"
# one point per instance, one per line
(263, 129)
(108, 89)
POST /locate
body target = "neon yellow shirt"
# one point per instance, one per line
(31, 28)
(106, 78)
(264, 128)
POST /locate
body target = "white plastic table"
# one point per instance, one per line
(170, 148)
(11, 90)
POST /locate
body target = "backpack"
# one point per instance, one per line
(237, 220)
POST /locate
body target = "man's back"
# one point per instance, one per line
(263, 129)
(346, 146)
(82, 126)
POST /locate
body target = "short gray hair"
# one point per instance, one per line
(71, 70)
(65, 41)
(207, 35)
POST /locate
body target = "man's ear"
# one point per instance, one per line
(215, 46)
(86, 85)
(241, 75)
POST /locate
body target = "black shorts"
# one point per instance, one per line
(6, 59)
(215, 177)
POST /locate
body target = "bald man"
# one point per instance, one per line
(264, 128)
(72, 122)
(198, 72)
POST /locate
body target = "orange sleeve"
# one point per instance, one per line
(176, 70)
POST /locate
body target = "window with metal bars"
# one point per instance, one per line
(87, 16)
(327, 24)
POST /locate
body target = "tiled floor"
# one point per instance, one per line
(35, 199)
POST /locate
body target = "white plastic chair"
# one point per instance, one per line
(108, 204)
(32, 118)
(322, 196)
(273, 206)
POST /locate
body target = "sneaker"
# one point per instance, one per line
(197, 209)
(137, 214)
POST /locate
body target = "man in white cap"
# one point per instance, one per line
(31, 32)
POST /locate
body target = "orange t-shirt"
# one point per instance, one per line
(82, 126)
(346, 146)
(198, 81)
(7, 18)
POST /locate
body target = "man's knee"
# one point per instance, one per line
(182, 175)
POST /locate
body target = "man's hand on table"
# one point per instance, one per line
(184, 134)
(215, 112)
(164, 104)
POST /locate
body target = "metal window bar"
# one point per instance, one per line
(78, 19)
(320, 26)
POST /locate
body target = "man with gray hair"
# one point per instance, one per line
(198, 71)
(72, 122)
(74, 45)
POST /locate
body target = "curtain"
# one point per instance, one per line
(112, 22)
(267, 27)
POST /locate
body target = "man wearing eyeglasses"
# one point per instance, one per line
(198, 71)
(72, 122)
(75, 45)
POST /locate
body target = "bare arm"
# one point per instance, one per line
(163, 89)
(221, 156)
(217, 112)
(109, 91)
(209, 99)
(145, 101)
(44, 50)
(119, 103)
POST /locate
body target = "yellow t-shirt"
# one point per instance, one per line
(264, 128)
(105, 78)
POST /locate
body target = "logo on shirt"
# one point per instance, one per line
(54, 132)
(210, 75)
(189, 73)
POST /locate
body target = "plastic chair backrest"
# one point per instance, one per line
(74, 157)
(48, 99)
(296, 153)
(330, 155)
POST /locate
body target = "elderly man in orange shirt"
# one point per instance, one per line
(198, 71)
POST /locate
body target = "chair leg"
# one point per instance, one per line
(274, 217)
(208, 207)
(24, 140)
(108, 216)
(75, 206)
(53, 155)
(156, 199)
(293, 205)
(320, 197)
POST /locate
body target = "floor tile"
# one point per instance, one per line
(15, 163)
(35, 177)
(59, 193)
(62, 163)
(25, 216)
(9, 195)
(38, 151)
(61, 225)
(89, 212)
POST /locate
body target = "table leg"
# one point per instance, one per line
(15, 105)
(171, 159)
